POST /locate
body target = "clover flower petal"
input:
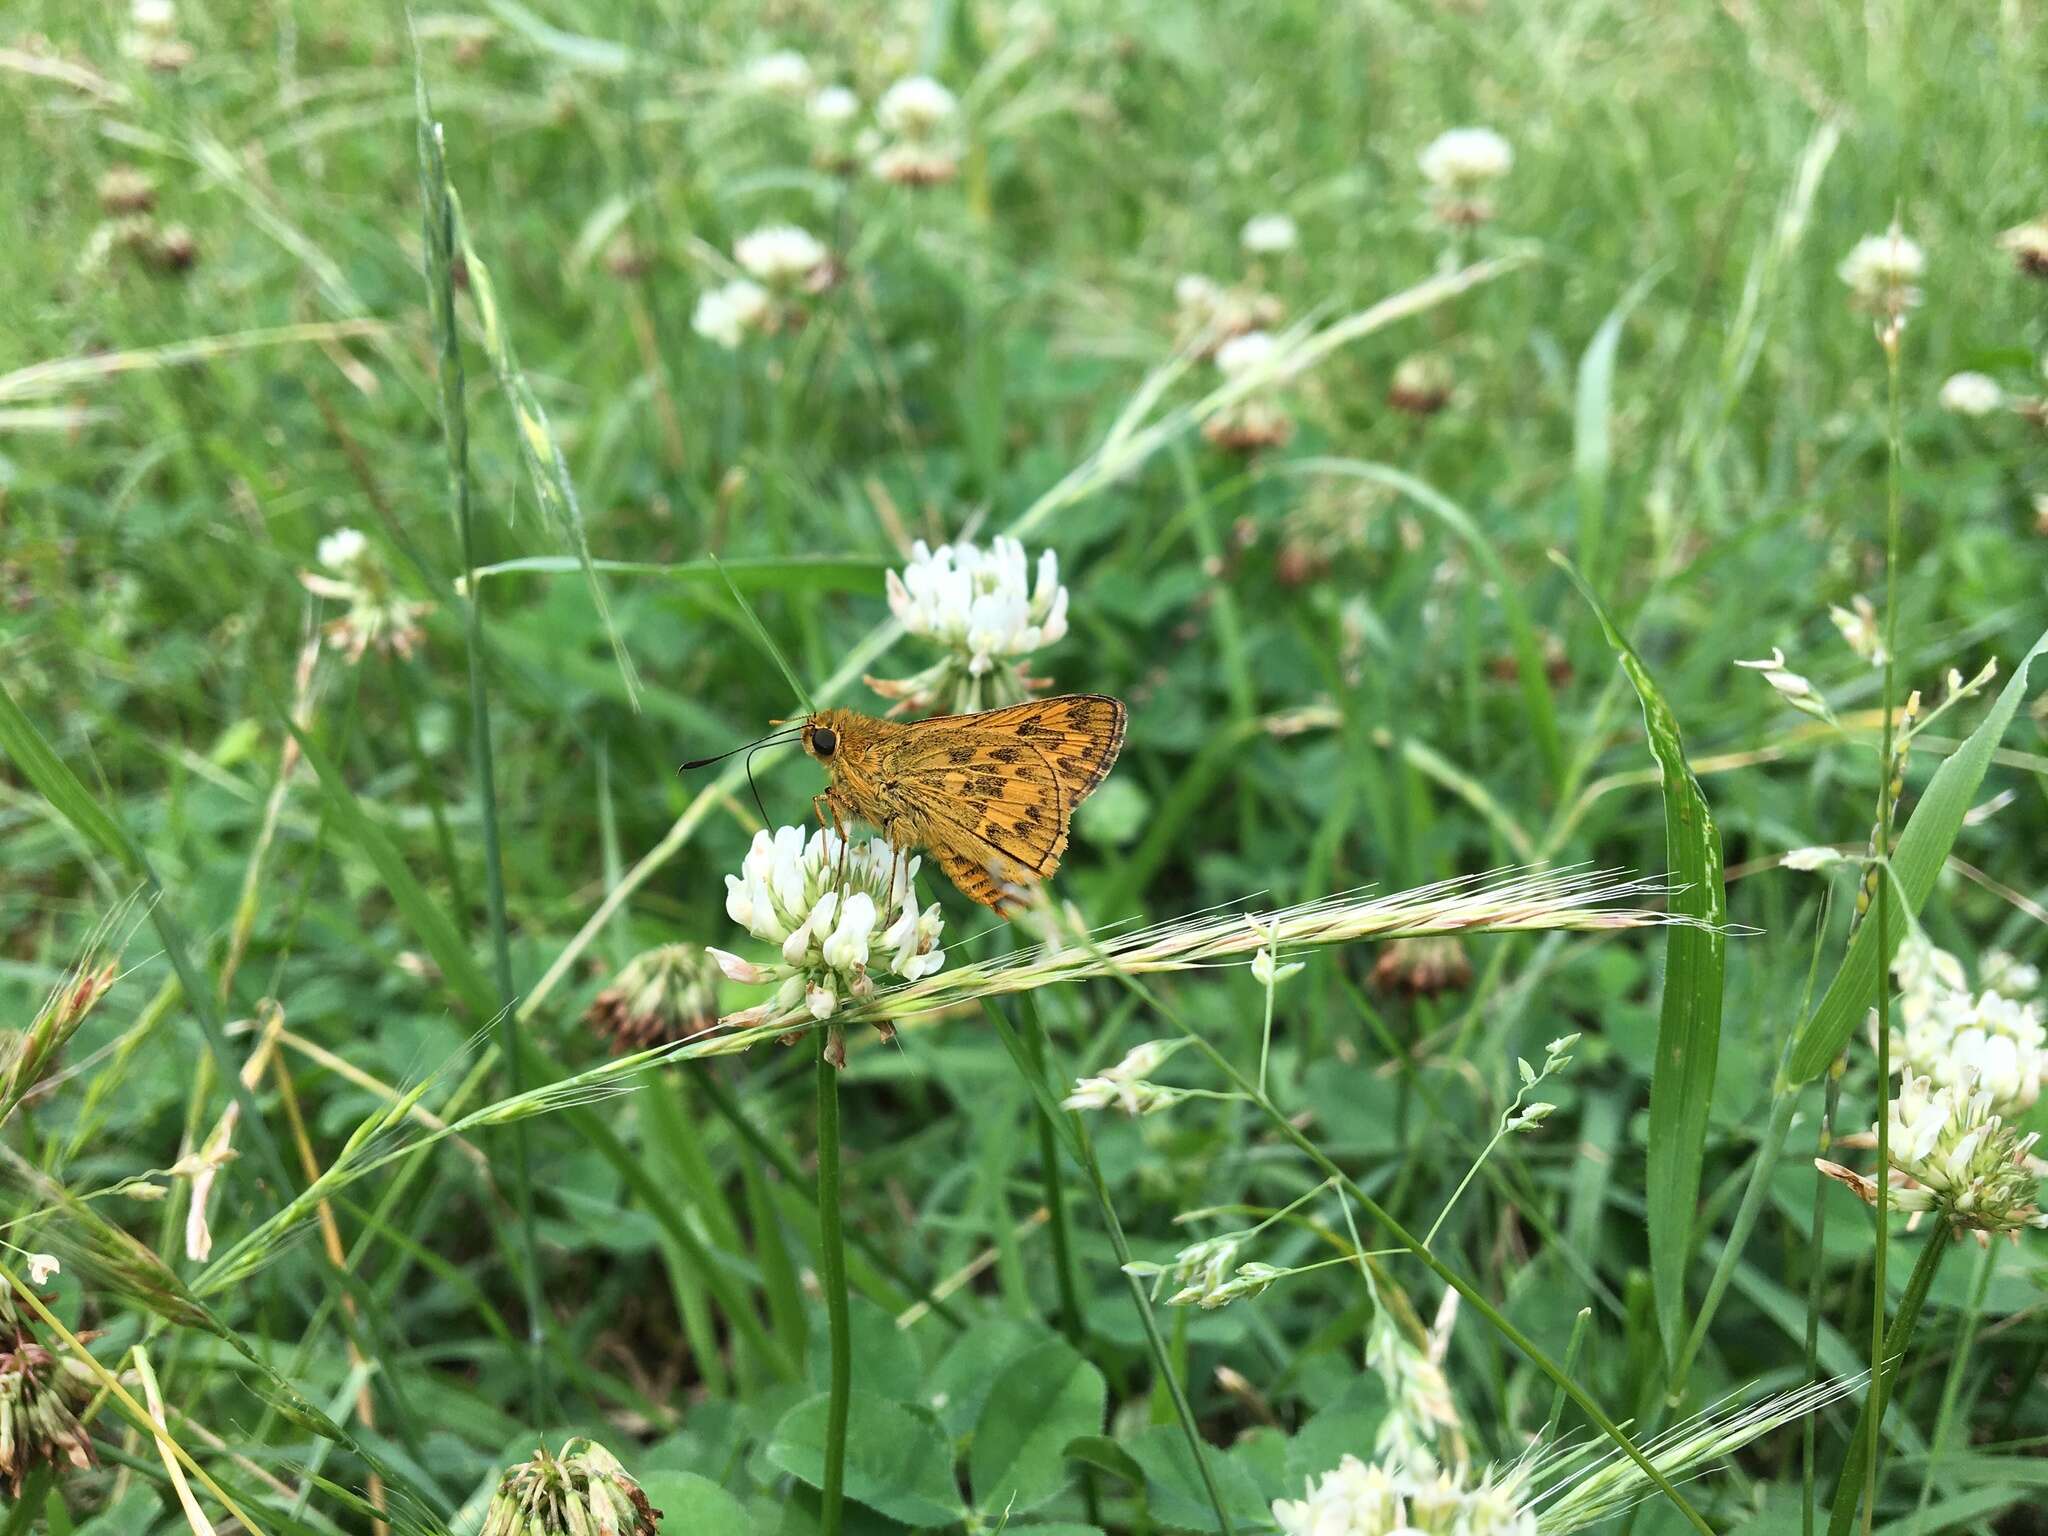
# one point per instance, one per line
(835, 912)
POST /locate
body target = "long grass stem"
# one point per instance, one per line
(438, 217)
(1886, 790)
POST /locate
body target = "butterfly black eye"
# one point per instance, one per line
(824, 742)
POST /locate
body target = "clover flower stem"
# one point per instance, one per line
(832, 1260)
(778, 1157)
(1830, 1102)
(1082, 1149)
(1400, 1234)
(1853, 1483)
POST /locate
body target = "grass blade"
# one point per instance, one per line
(1592, 428)
(1689, 1025)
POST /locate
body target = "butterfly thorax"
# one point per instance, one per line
(859, 751)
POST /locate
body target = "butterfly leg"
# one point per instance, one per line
(827, 810)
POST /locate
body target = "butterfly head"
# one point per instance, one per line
(824, 734)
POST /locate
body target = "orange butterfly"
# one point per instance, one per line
(989, 795)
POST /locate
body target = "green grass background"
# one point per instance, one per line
(1717, 467)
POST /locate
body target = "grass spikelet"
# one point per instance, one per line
(1586, 901)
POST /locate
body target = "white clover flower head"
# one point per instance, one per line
(1422, 384)
(837, 912)
(780, 255)
(833, 107)
(662, 995)
(2027, 244)
(1883, 272)
(1268, 234)
(1242, 354)
(1991, 1041)
(725, 314)
(1463, 161)
(916, 107)
(1962, 1159)
(1198, 295)
(981, 604)
(1353, 1500)
(376, 616)
(153, 15)
(784, 72)
(40, 1267)
(342, 549)
(914, 163)
(1387, 1498)
(1461, 166)
(1971, 394)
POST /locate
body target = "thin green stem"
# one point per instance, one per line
(1816, 1280)
(1071, 1321)
(832, 1264)
(1885, 778)
(1855, 1474)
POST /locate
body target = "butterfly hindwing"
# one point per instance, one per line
(1080, 734)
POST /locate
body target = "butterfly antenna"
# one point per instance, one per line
(753, 786)
(766, 741)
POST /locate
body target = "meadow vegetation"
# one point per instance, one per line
(1544, 1007)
